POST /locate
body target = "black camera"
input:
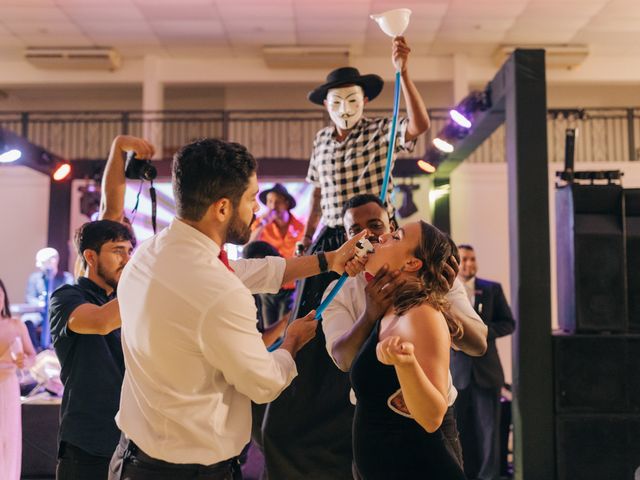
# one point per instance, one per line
(135, 169)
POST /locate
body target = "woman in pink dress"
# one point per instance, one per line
(16, 351)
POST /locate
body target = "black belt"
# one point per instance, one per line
(134, 451)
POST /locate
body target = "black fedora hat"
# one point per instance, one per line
(278, 188)
(371, 84)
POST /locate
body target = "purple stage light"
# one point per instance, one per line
(460, 119)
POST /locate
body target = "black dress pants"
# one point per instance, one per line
(478, 415)
(76, 464)
(131, 463)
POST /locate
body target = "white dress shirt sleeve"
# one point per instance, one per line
(231, 344)
(460, 306)
(260, 275)
(340, 315)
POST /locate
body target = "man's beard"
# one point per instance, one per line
(239, 232)
(110, 278)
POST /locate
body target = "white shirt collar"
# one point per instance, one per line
(184, 230)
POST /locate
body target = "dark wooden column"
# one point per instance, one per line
(518, 99)
(526, 148)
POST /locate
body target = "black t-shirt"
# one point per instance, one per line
(92, 372)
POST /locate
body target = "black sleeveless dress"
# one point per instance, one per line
(387, 445)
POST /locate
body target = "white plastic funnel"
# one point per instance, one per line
(393, 22)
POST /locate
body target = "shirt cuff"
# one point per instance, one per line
(284, 358)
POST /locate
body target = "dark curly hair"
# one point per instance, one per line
(430, 286)
(93, 235)
(206, 170)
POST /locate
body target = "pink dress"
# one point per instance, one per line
(10, 413)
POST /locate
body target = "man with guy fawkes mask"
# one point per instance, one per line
(307, 430)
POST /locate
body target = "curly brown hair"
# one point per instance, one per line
(430, 286)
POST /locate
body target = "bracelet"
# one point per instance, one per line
(322, 262)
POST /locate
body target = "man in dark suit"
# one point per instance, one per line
(480, 379)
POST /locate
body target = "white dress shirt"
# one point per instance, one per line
(350, 302)
(194, 358)
(470, 288)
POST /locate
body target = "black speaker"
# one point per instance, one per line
(632, 216)
(597, 373)
(40, 423)
(592, 294)
(597, 410)
(597, 447)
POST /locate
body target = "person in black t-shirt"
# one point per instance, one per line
(85, 329)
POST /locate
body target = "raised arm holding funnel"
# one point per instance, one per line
(348, 158)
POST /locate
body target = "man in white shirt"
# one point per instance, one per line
(194, 359)
(351, 316)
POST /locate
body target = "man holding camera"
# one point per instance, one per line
(85, 328)
(85, 323)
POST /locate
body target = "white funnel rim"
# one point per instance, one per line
(393, 22)
(376, 16)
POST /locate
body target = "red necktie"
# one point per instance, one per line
(368, 277)
(225, 259)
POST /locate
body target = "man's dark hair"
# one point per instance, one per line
(206, 170)
(465, 246)
(361, 199)
(93, 235)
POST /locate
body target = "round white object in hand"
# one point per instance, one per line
(363, 247)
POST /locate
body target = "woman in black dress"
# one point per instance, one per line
(401, 375)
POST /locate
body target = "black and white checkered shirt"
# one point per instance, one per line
(355, 165)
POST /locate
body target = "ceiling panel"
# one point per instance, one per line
(613, 25)
(9, 40)
(186, 28)
(485, 9)
(170, 12)
(43, 28)
(92, 13)
(183, 3)
(34, 13)
(241, 27)
(89, 3)
(36, 40)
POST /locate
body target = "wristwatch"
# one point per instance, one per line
(322, 262)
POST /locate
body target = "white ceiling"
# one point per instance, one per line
(241, 27)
